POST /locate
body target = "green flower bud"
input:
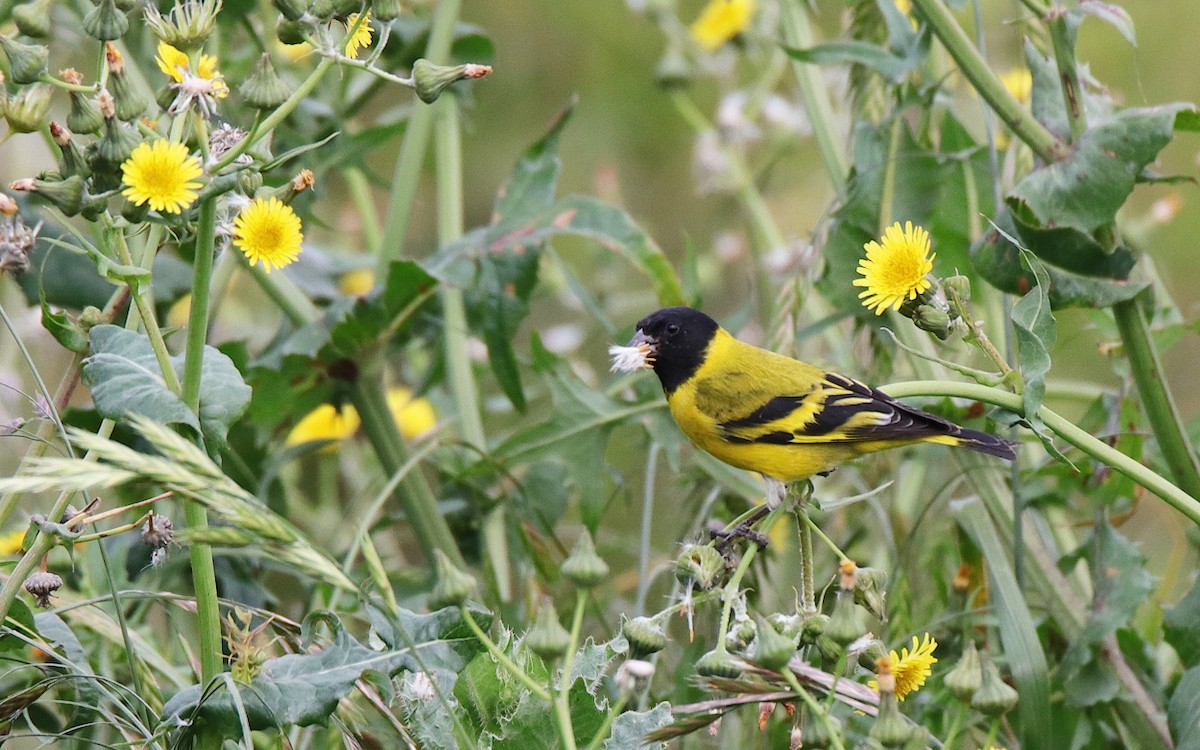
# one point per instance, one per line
(718, 663)
(846, 623)
(583, 567)
(91, 317)
(548, 638)
(431, 80)
(26, 62)
(106, 21)
(327, 10)
(891, 729)
(820, 733)
(129, 99)
(249, 181)
(869, 591)
(65, 194)
(264, 89)
(645, 635)
(966, 677)
(789, 626)
(85, 115)
(386, 10)
(133, 213)
(673, 70)
(871, 653)
(701, 565)
(292, 10)
(287, 192)
(109, 151)
(772, 650)
(73, 162)
(188, 25)
(26, 110)
(293, 32)
(453, 585)
(930, 318)
(919, 739)
(959, 285)
(813, 628)
(994, 697)
(830, 649)
(33, 18)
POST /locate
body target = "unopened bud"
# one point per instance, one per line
(264, 89)
(26, 110)
(960, 285)
(718, 663)
(386, 10)
(292, 10)
(700, 564)
(130, 101)
(932, 319)
(26, 62)
(994, 697)
(293, 32)
(106, 21)
(73, 161)
(772, 650)
(33, 18)
(583, 567)
(966, 677)
(548, 638)
(85, 115)
(431, 80)
(65, 194)
(453, 585)
(645, 636)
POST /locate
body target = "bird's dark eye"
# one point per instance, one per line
(672, 329)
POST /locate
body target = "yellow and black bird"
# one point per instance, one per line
(772, 414)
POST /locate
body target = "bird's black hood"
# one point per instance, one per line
(678, 339)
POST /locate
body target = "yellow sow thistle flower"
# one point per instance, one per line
(204, 86)
(911, 669)
(1019, 82)
(162, 174)
(268, 230)
(414, 416)
(894, 271)
(325, 423)
(357, 282)
(720, 21)
(10, 543)
(361, 38)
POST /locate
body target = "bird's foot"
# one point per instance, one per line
(744, 530)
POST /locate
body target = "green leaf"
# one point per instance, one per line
(1181, 627)
(125, 379)
(852, 51)
(1084, 190)
(292, 690)
(86, 684)
(17, 626)
(534, 181)
(374, 318)
(629, 729)
(1183, 712)
(1047, 96)
(1018, 632)
(1036, 333)
(1123, 587)
(64, 330)
(1114, 15)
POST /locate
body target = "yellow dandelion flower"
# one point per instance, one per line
(904, 6)
(1019, 82)
(357, 282)
(325, 423)
(163, 174)
(207, 70)
(10, 543)
(361, 38)
(172, 62)
(911, 669)
(720, 21)
(895, 271)
(414, 416)
(268, 231)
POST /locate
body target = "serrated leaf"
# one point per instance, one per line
(1183, 712)
(1181, 627)
(125, 379)
(358, 325)
(534, 181)
(1084, 190)
(630, 728)
(295, 689)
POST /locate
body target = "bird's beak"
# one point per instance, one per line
(640, 338)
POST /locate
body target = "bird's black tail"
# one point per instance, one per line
(984, 443)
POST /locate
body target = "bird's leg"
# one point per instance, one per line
(776, 495)
(776, 492)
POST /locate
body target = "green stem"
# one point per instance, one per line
(980, 74)
(1164, 417)
(808, 594)
(797, 33)
(420, 504)
(298, 308)
(1068, 72)
(501, 657)
(887, 193)
(562, 705)
(1177, 498)
(613, 712)
(204, 577)
(818, 712)
(730, 590)
(360, 191)
(146, 312)
(416, 140)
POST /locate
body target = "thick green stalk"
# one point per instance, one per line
(1185, 503)
(562, 701)
(448, 152)
(797, 33)
(360, 192)
(420, 504)
(1068, 72)
(1156, 399)
(980, 74)
(204, 578)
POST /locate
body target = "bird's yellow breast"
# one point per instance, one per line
(733, 381)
